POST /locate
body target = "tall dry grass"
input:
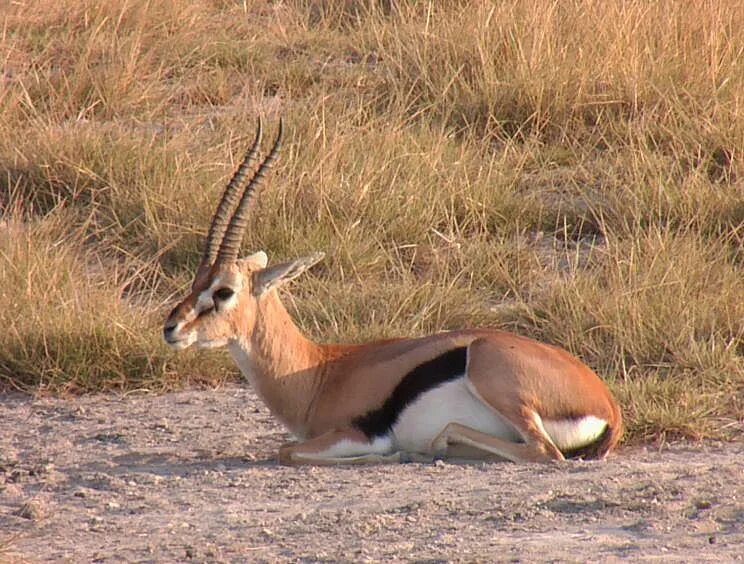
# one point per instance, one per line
(571, 171)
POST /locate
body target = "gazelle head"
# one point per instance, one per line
(226, 291)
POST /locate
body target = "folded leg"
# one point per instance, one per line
(457, 434)
(343, 446)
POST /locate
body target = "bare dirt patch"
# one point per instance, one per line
(191, 476)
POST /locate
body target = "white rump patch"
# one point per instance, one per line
(568, 434)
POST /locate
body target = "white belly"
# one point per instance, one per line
(452, 402)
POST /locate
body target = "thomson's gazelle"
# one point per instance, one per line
(474, 392)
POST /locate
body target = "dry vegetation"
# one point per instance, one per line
(568, 170)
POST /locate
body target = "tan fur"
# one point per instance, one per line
(317, 390)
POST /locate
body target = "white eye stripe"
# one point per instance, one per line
(204, 301)
(220, 285)
(207, 297)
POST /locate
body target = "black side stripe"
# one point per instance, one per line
(424, 377)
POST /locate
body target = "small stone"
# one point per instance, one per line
(703, 504)
(30, 510)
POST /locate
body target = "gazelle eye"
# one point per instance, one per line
(223, 294)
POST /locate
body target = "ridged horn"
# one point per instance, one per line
(228, 251)
(227, 202)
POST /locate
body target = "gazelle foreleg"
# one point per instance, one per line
(342, 446)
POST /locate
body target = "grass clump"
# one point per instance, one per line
(661, 316)
(70, 327)
(571, 171)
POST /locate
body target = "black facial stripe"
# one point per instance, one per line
(203, 312)
(424, 377)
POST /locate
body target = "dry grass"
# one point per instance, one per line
(570, 171)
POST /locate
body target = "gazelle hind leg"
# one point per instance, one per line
(537, 446)
(505, 397)
(530, 451)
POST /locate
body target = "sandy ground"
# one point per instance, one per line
(191, 476)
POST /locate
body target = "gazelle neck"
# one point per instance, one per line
(282, 364)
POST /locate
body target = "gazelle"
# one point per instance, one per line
(477, 393)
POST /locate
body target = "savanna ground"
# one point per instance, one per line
(190, 476)
(571, 171)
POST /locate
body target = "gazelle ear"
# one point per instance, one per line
(274, 276)
(258, 260)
